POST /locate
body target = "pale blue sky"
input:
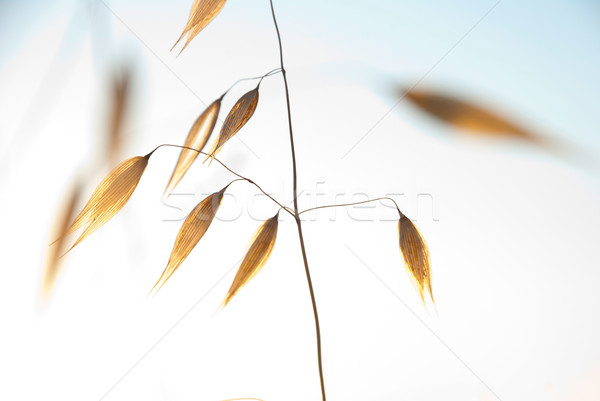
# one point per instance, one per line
(538, 59)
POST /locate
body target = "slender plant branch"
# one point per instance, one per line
(268, 74)
(296, 214)
(240, 177)
(231, 182)
(355, 203)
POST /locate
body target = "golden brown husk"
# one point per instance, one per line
(192, 230)
(196, 139)
(259, 250)
(416, 256)
(109, 197)
(239, 115)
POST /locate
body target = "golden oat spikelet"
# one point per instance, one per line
(192, 230)
(258, 253)
(196, 139)
(201, 14)
(109, 197)
(416, 256)
(239, 115)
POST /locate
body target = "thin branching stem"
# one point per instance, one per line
(355, 203)
(296, 214)
(240, 177)
(231, 182)
(268, 74)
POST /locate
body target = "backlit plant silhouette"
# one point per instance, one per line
(114, 191)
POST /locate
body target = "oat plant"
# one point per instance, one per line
(115, 190)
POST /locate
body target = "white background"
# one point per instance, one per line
(513, 230)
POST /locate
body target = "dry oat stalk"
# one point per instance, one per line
(416, 256)
(109, 197)
(237, 117)
(192, 230)
(201, 14)
(116, 189)
(258, 253)
(196, 139)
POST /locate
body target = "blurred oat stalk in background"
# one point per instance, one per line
(467, 116)
(54, 263)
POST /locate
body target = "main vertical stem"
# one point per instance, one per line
(296, 214)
